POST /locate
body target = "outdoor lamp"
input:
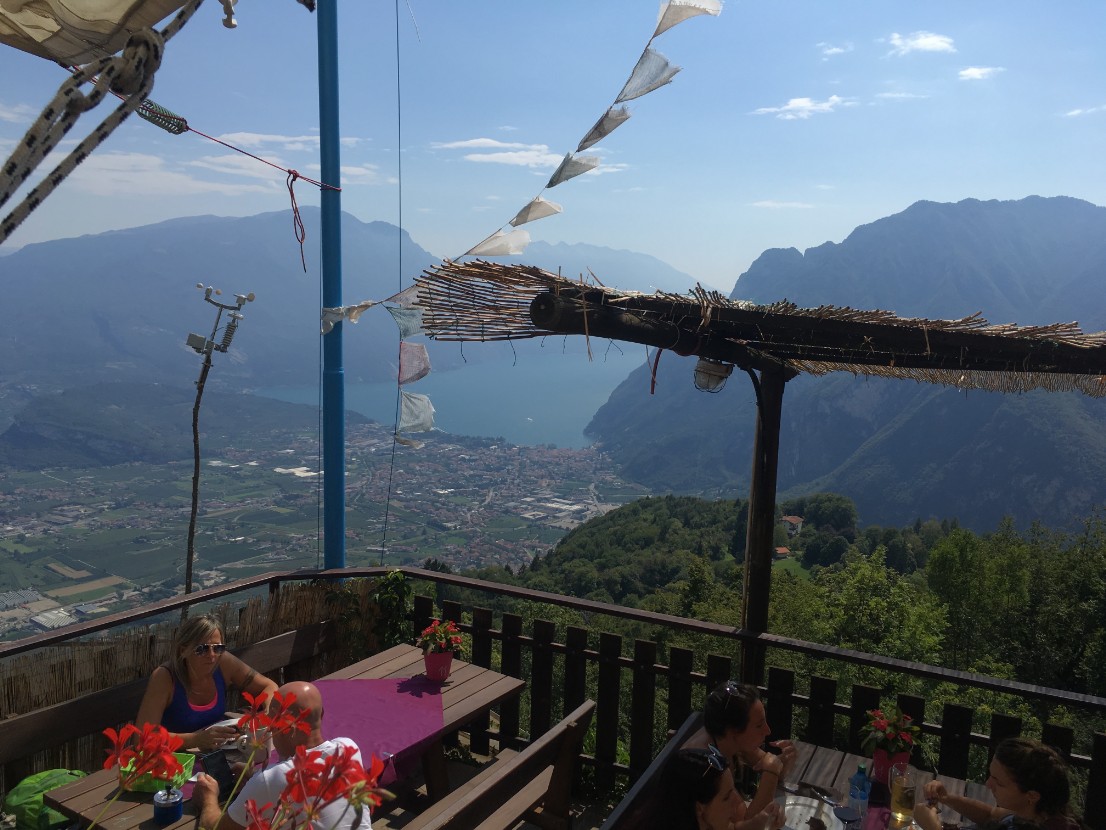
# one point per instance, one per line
(710, 375)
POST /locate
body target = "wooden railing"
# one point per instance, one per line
(632, 682)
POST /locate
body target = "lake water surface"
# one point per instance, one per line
(545, 399)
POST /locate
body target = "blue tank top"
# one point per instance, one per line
(180, 716)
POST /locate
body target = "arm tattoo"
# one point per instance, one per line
(249, 679)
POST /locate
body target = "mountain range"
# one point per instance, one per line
(901, 450)
(115, 308)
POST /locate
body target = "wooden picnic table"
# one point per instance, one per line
(832, 768)
(470, 692)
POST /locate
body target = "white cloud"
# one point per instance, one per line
(1075, 113)
(899, 96)
(236, 164)
(482, 144)
(19, 114)
(538, 156)
(804, 107)
(772, 204)
(920, 42)
(980, 73)
(262, 140)
(140, 174)
(361, 174)
(830, 50)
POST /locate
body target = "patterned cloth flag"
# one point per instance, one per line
(652, 72)
(414, 362)
(571, 167)
(606, 125)
(409, 321)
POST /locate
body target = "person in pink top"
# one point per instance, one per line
(187, 695)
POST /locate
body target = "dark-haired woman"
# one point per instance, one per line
(187, 695)
(1029, 781)
(734, 721)
(697, 793)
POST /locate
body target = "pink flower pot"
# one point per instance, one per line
(438, 664)
(882, 763)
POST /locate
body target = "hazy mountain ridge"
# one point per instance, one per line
(901, 450)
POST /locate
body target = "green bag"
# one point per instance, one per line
(24, 800)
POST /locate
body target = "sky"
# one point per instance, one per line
(791, 123)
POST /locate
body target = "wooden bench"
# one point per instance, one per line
(23, 735)
(534, 784)
(648, 784)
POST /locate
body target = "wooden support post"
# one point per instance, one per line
(762, 518)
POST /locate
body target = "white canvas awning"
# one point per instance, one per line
(77, 31)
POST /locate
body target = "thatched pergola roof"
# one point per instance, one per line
(484, 301)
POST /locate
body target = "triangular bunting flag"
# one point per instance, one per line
(501, 244)
(538, 208)
(414, 362)
(416, 413)
(606, 125)
(409, 321)
(406, 298)
(652, 72)
(677, 11)
(571, 167)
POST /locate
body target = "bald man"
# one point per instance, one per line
(265, 787)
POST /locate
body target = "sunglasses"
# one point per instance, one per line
(730, 690)
(204, 648)
(715, 760)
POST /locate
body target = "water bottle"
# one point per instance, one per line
(858, 790)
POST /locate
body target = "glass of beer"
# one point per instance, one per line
(903, 791)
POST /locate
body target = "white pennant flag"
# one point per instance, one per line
(652, 72)
(407, 297)
(571, 167)
(416, 413)
(501, 244)
(606, 125)
(538, 208)
(677, 11)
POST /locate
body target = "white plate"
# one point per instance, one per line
(798, 810)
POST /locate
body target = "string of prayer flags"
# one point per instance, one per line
(406, 298)
(331, 316)
(416, 413)
(409, 321)
(538, 208)
(501, 244)
(652, 72)
(414, 362)
(677, 11)
(571, 167)
(606, 125)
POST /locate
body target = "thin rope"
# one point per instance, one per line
(297, 220)
(399, 242)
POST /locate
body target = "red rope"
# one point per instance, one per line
(297, 221)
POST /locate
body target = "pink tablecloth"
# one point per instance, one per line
(394, 718)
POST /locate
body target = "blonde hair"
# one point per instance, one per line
(191, 633)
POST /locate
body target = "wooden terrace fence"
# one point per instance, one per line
(632, 682)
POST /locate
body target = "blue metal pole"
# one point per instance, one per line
(334, 393)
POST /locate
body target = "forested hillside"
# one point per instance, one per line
(1028, 605)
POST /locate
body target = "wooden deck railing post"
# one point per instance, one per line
(481, 656)
(643, 706)
(576, 668)
(1094, 810)
(680, 664)
(864, 699)
(606, 710)
(541, 679)
(512, 665)
(820, 723)
(915, 707)
(956, 734)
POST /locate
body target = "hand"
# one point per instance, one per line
(927, 817)
(771, 816)
(769, 763)
(205, 790)
(215, 736)
(788, 754)
(935, 791)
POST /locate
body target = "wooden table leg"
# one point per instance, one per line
(434, 771)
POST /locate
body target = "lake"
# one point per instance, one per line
(542, 399)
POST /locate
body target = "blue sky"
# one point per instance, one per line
(792, 122)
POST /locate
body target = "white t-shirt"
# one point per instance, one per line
(266, 787)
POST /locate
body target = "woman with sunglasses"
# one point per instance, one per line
(188, 694)
(734, 721)
(698, 793)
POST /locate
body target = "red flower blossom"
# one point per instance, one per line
(440, 636)
(149, 750)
